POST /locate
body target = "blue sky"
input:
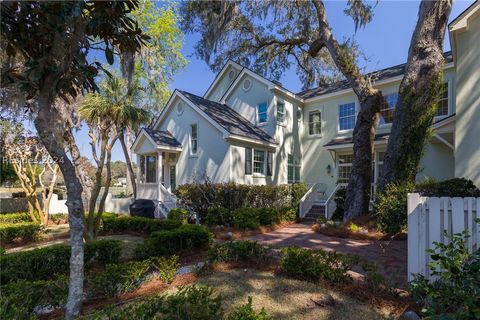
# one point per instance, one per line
(385, 42)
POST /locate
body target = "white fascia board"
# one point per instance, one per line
(165, 109)
(350, 145)
(250, 141)
(137, 140)
(220, 75)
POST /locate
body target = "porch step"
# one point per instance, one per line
(315, 212)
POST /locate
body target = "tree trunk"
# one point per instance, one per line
(108, 180)
(131, 184)
(418, 94)
(44, 123)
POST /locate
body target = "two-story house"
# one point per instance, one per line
(250, 130)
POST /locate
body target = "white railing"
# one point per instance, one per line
(428, 217)
(147, 191)
(330, 204)
(306, 202)
(168, 198)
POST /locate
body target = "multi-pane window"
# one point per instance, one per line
(173, 177)
(259, 161)
(194, 138)
(142, 168)
(293, 169)
(151, 169)
(344, 167)
(280, 111)
(346, 116)
(380, 158)
(442, 105)
(387, 114)
(262, 112)
(314, 122)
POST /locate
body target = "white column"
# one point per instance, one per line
(159, 175)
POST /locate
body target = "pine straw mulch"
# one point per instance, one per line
(220, 232)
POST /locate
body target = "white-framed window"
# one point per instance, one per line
(346, 116)
(262, 112)
(442, 104)
(344, 167)
(151, 169)
(194, 138)
(387, 114)
(314, 122)
(259, 161)
(294, 167)
(280, 111)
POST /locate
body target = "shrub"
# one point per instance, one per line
(316, 265)
(245, 251)
(218, 216)
(390, 208)
(19, 299)
(167, 267)
(339, 199)
(268, 216)
(455, 292)
(246, 218)
(297, 191)
(27, 231)
(191, 302)
(137, 224)
(188, 236)
(456, 187)
(246, 312)
(15, 217)
(288, 214)
(45, 263)
(178, 215)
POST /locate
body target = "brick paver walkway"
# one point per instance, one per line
(391, 256)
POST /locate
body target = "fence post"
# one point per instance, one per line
(413, 217)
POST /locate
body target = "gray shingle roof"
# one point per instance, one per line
(229, 119)
(347, 140)
(376, 76)
(163, 138)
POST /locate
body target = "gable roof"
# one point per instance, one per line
(229, 119)
(461, 21)
(159, 138)
(378, 75)
(229, 63)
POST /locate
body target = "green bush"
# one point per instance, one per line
(27, 231)
(244, 251)
(218, 216)
(137, 224)
(19, 299)
(288, 214)
(45, 263)
(268, 216)
(454, 294)
(339, 199)
(191, 302)
(188, 236)
(201, 197)
(15, 217)
(456, 187)
(317, 265)
(167, 267)
(178, 215)
(390, 208)
(246, 218)
(246, 312)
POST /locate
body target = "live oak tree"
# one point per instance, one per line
(54, 39)
(270, 36)
(418, 94)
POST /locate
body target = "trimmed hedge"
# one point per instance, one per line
(201, 197)
(45, 263)
(238, 251)
(188, 236)
(456, 187)
(15, 217)
(113, 224)
(27, 231)
(249, 218)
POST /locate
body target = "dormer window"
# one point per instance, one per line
(262, 112)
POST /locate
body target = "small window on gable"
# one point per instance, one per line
(442, 105)
(231, 74)
(314, 122)
(247, 84)
(346, 116)
(194, 138)
(262, 112)
(387, 114)
(280, 111)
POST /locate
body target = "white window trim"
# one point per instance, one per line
(449, 100)
(193, 155)
(281, 123)
(257, 114)
(338, 117)
(342, 165)
(265, 160)
(308, 123)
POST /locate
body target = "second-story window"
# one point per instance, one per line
(442, 105)
(314, 122)
(346, 116)
(194, 138)
(262, 112)
(386, 114)
(280, 111)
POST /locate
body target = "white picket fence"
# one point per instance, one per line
(428, 217)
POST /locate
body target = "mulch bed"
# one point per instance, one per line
(220, 232)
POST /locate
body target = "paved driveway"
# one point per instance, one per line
(391, 256)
